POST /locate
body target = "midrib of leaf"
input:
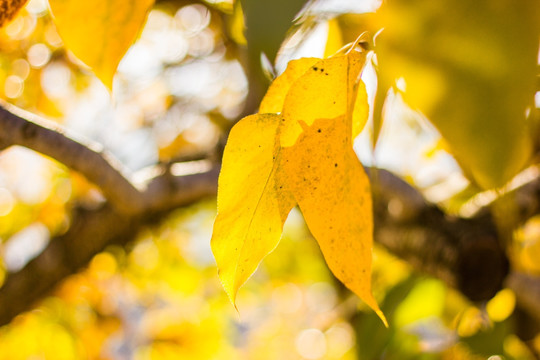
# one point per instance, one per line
(274, 167)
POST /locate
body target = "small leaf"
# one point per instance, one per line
(275, 97)
(327, 90)
(333, 193)
(252, 202)
(8, 10)
(100, 32)
(277, 92)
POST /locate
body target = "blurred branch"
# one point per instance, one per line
(26, 129)
(465, 253)
(91, 231)
(527, 290)
(129, 207)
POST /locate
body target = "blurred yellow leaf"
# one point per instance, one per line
(502, 305)
(470, 67)
(334, 39)
(100, 32)
(306, 153)
(236, 24)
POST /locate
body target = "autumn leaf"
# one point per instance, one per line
(275, 96)
(99, 32)
(327, 89)
(333, 193)
(301, 154)
(252, 203)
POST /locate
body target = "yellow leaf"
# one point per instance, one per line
(326, 90)
(302, 156)
(474, 80)
(100, 32)
(252, 203)
(276, 93)
(334, 39)
(332, 191)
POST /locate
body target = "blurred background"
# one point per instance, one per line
(180, 88)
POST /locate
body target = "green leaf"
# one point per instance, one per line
(267, 23)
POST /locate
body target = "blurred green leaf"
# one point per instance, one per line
(267, 23)
(372, 336)
(490, 341)
(425, 300)
(470, 67)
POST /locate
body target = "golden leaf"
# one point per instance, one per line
(275, 96)
(252, 203)
(302, 156)
(100, 32)
(327, 89)
(333, 193)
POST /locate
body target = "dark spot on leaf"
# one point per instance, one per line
(322, 69)
(315, 68)
(326, 74)
(319, 130)
(335, 165)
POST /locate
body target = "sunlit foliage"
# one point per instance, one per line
(176, 94)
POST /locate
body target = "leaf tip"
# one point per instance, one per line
(230, 289)
(381, 316)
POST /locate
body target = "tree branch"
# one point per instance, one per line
(465, 253)
(91, 231)
(25, 129)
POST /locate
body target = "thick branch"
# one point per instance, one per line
(22, 128)
(527, 290)
(465, 253)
